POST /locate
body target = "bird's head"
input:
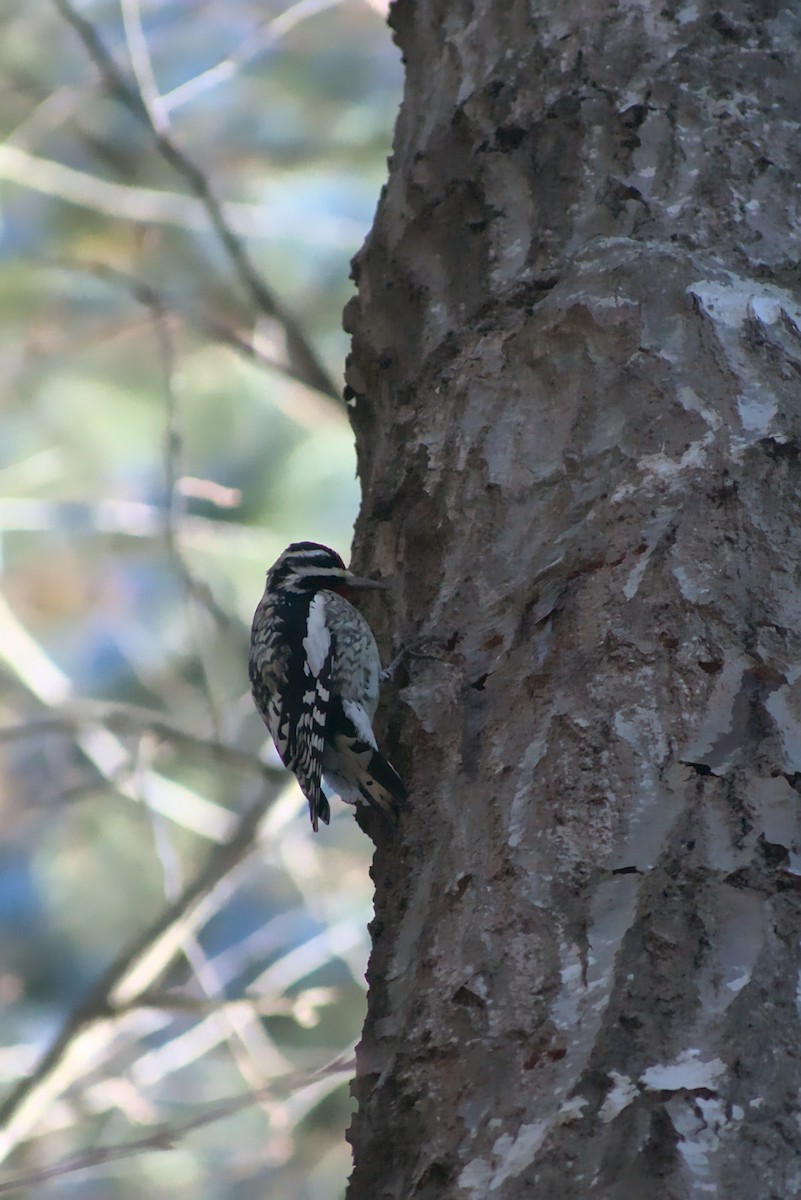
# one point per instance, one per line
(308, 567)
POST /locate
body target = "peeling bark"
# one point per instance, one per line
(577, 377)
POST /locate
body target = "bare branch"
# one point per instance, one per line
(296, 1006)
(266, 34)
(127, 718)
(91, 1024)
(306, 410)
(302, 356)
(44, 679)
(150, 205)
(195, 590)
(165, 1136)
(129, 518)
(141, 64)
(250, 1045)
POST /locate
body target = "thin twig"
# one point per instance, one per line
(141, 64)
(157, 206)
(175, 505)
(307, 410)
(244, 1033)
(265, 34)
(43, 678)
(300, 353)
(91, 1024)
(126, 718)
(165, 1136)
(252, 1049)
(265, 1006)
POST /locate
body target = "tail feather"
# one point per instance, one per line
(382, 786)
(353, 765)
(319, 809)
(360, 773)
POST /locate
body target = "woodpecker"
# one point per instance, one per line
(315, 673)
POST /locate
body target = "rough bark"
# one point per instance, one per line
(577, 377)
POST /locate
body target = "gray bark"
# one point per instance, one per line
(577, 376)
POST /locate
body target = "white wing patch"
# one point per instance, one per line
(361, 722)
(317, 642)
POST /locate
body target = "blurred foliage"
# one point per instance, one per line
(162, 442)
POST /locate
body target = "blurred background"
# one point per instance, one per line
(182, 185)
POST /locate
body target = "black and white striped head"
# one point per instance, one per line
(308, 567)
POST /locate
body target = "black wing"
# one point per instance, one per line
(306, 745)
(304, 703)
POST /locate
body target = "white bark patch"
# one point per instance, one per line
(687, 1072)
(691, 402)
(699, 1124)
(652, 534)
(783, 705)
(535, 751)
(642, 729)
(717, 743)
(756, 413)
(624, 1091)
(317, 642)
(572, 1110)
(510, 1156)
(661, 466)
(736, 944)
(475, 1178)
(661, 474)
(690, 590)
(587, 979)
(730, 303)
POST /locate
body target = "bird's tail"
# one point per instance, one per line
(382, 786)
(363, 775)
(319, 809)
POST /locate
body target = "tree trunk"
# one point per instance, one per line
(576, 369)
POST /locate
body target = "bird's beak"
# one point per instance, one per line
(358, 581)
